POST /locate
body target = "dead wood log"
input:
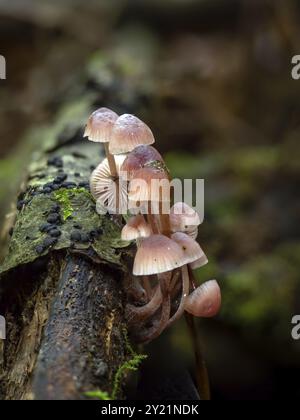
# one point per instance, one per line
(61, 289)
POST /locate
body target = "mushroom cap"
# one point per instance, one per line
(103, 186)
(157, 254)
(136, 228)
(192, 232)
(128, 133)
(205, 301)
(100, 124)
(199, 263)
(189, 246)
(183, 218)
(150, 184)
(139, 158)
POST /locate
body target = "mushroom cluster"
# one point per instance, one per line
(134, 179)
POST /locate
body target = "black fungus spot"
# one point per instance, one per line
(40, 249)
(68, 184)
(53, 218)
(60, 178)
(45, 227)
(85, 238)
(20, 204)
(84, 184)
(77, 226)
(93, 234)
(11, 231)
(92, 167)
(55, 209)
(100, 231)
(55, 161)
(55, 233)
(48, 242)
(75, 236)
(77, 175)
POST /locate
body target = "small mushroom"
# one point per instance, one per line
(100, 124)
(149, 185)
(99, 130)
(191, 249)
(128, 133)
(205, 301)
(139, 158)
(184, 219)
(136, 228)
(157, 254)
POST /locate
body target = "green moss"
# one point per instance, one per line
(132, 365)
(64, 198)
(100, 395)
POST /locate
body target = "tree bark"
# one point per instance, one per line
(63, 298)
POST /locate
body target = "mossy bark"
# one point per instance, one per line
(62, 299)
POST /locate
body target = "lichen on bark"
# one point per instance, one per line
(77, 206)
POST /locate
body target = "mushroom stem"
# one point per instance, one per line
(111, 162)
(184, 295)
(152, 222)
(160, 325)
(135, 314)
(147, 287)
(134, 288)
(165, 224)
(201, 369)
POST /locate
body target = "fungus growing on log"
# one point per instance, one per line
(167, 250)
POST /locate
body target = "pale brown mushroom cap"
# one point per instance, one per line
(205, 301)
(128, 133)
(100, 124)
(189, 246)
(184, 219)
(140, 157)
(136, 228)
(157, 254)
(199, 263)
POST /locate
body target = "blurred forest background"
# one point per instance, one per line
(212, 78)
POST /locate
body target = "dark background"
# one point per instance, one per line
(217, 92)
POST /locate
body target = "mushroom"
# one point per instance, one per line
(150, 190)
(136, 228)
(110, 193)
(99, 129)
(190, 247)
(128, 133)
(205, 301)
(184, 219)
(139, 158)
(149, 185)
(158, 254)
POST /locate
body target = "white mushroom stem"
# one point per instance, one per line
(137, 314)
(184, 295)
(111, 162)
